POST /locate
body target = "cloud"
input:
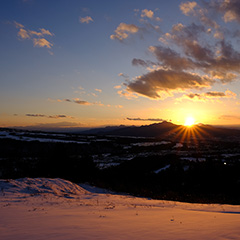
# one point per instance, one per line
(146, 119)
(86, 19)
(35, 115)
(230, 9)
(18, 25)
(140, 62)
(38, 38)
(98, 90)
(196, 65)
(209, 95)
(67, 100)
(41, 42)
(46, 32)
(118, 87)
(147, 13)
(193, 9)
(224, 77)
(123, 30)
(23, 34)
(188, 57)
(153, 83)
(127, 94)
(123, 75)
(39, 34)
(187, 8)
(171, 59)
(60, 116)
(81, 102)
(48, 116)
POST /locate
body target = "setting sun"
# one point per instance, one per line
(189, 121)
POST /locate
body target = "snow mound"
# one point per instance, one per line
(57, 186)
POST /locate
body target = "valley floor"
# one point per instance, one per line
(58, 209)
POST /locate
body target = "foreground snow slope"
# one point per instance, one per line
(52, 209)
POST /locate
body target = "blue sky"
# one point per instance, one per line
(94, 63)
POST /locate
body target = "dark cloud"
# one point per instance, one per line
(210, 95)
(58, 116)
(230, 9)
(171, 59)
(67, 100)
(48, 116)
(146, 119)
(193, 95)
(140, 62)
(215, 94)
(81, 102)
(156, 81)
(35, 115)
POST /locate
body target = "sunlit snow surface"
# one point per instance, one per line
(58, 209)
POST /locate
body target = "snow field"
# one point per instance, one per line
(52, 209)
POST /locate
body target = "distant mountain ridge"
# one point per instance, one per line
(167, 129)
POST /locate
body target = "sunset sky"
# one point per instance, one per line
(89, 63)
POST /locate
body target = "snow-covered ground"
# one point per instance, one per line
(56, 209)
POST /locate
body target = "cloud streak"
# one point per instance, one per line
(48, 116)
(209, 96)
(146, 119)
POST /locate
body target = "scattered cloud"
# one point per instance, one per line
(123, 30)
(147, 13)
(127, 94)
(230, 9)
(202, 14)
(191, 57)
(41, 42)
(86, 19)
(38, 37)
(187, 8)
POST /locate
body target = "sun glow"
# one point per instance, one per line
(189, 122)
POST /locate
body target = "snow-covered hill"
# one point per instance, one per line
(58, 209)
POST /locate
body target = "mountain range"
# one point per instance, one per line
(166, 130)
